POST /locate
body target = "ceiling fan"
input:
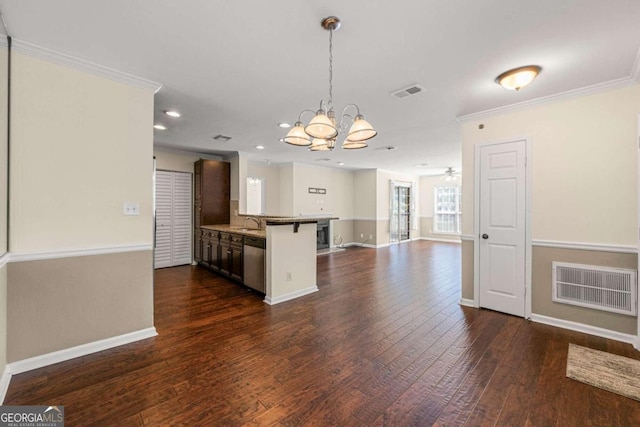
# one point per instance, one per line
(450, 175)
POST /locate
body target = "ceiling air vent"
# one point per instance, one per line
(222, 138)
(407, 91)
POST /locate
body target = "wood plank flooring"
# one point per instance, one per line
(383, 343)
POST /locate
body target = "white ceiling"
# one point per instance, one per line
(239, 67)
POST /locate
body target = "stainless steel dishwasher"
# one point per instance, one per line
(254, 263)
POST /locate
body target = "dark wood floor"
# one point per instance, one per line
(384, 342)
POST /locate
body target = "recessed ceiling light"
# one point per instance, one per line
(284, 125)
(172, 113)
(281, 140)
(340, 163)
(159, 127)
(260, 147)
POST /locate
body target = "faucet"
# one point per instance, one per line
(257, 221)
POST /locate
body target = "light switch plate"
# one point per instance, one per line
(130, 208)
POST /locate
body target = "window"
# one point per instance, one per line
(447, 215)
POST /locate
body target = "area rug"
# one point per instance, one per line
(607, 371)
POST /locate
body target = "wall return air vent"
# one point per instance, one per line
(407, 91)
(600, 288)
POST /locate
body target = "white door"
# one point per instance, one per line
(173, 219)
(502, 243)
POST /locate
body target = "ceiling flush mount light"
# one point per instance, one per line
(172, 113)
(519, 77)
(160, 127)
(260, 147)
(321, 132)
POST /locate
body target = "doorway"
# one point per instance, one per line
(502, 251)
(400, 211)
(173, 219)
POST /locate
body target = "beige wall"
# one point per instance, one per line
(338, 199)
(467, 270)
(293, 253)
(3, 146)
(3, 317)
(584, 188)
(81, 147)
(364, 198)
(286, 189)
(583, 162)
(541, 287)
(342, 230)
(270, 176)
(60, 303)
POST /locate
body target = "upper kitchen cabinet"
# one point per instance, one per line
(212, 192)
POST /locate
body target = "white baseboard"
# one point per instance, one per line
(436, 239)
(81, 350)
(467, 302)
(290, 296)
(4, 384)
(587, 329)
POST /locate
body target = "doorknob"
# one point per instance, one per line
(485, 236)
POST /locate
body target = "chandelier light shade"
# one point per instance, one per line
(297, 136)
(519, 77)
(323, 129)
(361, 130)
(321, 126)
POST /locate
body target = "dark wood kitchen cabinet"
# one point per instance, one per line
(211, 197)
(230, 252)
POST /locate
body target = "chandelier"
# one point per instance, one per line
(322, 131)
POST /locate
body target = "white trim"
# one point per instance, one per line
(81, 350)
(585, 246)
(290, 295)
(468, 302)
(562, 96)
(68, 253)
(435, 239)
(581, 327)
(365, 219)
(65, 60)
(476, 219)
(4, 384)
(467, 237)
(635, 70)
(3, 43)
(4, 259)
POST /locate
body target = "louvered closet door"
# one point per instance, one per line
(173, 219)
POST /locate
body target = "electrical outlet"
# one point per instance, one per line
(288, 276)
(362, 235)
(370, 236)
(130, 208)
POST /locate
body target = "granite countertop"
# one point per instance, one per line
(278, 220)
(226, 228)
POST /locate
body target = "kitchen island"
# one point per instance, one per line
(289, 258)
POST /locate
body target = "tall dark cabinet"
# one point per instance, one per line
(211, 197)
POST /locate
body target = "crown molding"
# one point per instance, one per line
(635, 70)
(63, 59)
(3, 41)
(562, 96)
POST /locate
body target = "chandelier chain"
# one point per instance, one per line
(331, 69)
